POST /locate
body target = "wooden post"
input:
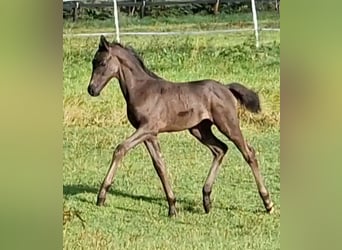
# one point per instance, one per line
(133, 9)
(116, 20)
(75, 12)
(216, 7)
(142, 11)
(278, 6)
(255, 21)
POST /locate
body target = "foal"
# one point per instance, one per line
(155, 105)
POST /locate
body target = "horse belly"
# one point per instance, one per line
(184, 119)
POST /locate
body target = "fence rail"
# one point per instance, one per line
(169, 33)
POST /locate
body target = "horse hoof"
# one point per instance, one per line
(172, 212)
(207, 209)
(270, 210)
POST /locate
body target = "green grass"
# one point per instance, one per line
(135, 215)
(176, 23)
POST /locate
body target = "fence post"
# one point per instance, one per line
(278, 6)
(216, 7)
(142, 11)
(74, 11)
(255, 21)
(116, 20)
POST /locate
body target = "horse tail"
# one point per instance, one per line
(247, 97)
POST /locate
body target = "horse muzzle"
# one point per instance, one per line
(92, 91)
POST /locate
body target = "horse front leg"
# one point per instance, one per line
(120, 151)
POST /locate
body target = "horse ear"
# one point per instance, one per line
(103, 43)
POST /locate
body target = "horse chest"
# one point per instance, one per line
(134, 117)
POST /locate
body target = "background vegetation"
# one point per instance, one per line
(230, 7)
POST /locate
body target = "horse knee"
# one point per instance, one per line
(251, 149)
(120, 151)
(251, 154)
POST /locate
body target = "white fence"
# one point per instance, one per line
(118, 33)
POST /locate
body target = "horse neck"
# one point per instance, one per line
(131, 77)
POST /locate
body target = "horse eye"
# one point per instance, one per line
(102, 64)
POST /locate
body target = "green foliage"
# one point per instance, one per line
(102, 13)
(135, 215)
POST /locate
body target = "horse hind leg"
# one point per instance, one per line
(203, 133)
(230, 127)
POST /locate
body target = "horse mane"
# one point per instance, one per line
(135, 54)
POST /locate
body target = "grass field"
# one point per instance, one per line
(175, 23)
(135, 215)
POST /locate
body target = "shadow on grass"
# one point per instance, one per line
(183, 204)
(241, 209)
(70, 190)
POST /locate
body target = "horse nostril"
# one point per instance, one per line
(90, 90)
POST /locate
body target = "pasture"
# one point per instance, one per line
(135, 212)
